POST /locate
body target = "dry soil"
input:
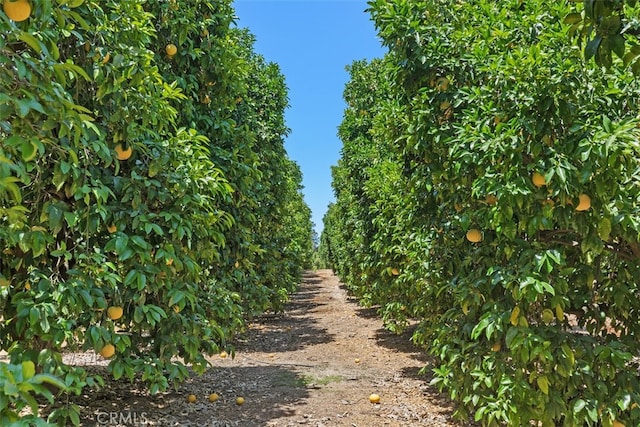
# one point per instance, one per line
(316, 364)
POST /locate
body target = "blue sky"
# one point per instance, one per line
(312, 41)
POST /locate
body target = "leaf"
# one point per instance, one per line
(49, 379)
(118, 370)
(604, 228)
(543, 384)
(618, 44)
(33, 42)
(572, 18)
(610, 25)
(28, 150)
(592, 47)
(28, 369)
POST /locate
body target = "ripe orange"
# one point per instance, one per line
(17, 11)
(107, 351)
(223, 354)
(122, 154)
(171, 49)
(374, 398)
(395, 271)
(585, 203)
(191, 398)
(115, 312)
(538, 179)
(112, 228)
(213, 397)
(474, 235)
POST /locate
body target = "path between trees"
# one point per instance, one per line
(315, 365)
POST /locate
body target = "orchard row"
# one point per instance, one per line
(147, 204)
(489, 187)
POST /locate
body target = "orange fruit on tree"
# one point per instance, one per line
(17, 11)
(474, 235)
(538, 179)
(395, 271)
(122, 153)
(107, 351)
(112, 228)
(584, 204)
(496, 347)
(115, 312)
(171, 49)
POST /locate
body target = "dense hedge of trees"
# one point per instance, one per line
(147, 204)
(489, 188)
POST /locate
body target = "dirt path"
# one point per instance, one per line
(314, 365)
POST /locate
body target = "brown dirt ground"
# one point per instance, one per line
(295, 368)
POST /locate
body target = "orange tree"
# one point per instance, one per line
(519, 227)
(237, 100)
(112, 197)
(280, 224)
(368, 182)
(114, 215)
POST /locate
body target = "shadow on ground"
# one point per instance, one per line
(291, 330)
(270, 392)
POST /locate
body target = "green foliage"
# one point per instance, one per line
(19, 386)
(607, 29)
(201, 227)
(535, 322)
